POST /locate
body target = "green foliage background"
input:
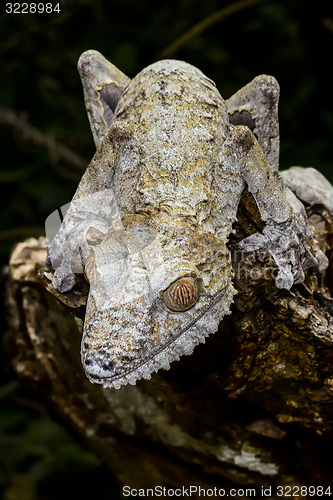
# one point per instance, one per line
(290, 39)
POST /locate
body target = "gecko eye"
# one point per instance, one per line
(182, 294)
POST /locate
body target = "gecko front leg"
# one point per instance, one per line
(256, 106)
(93, 208)
(287, 236)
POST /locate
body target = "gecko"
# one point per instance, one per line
(150, 220)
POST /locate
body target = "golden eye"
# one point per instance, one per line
(182, 294)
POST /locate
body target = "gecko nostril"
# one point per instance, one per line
(105, 365)
(108, 366)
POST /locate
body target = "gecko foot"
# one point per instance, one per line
(290, 249)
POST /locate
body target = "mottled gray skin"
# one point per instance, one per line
(163, 190)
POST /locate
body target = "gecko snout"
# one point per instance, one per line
(97, 367)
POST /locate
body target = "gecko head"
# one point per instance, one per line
(152, 299)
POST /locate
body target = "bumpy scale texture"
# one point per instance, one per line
(157, 204)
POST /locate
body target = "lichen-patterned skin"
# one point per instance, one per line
(174, 168)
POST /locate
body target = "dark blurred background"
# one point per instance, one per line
(40, 88)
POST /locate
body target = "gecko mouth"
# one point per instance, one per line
(100, 367)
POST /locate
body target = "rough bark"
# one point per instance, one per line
(250, 408)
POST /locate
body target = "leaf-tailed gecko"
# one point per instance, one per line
(151, 217)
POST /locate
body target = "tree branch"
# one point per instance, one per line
(203, 25)
(33, 136)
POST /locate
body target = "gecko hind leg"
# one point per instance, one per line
(103, 85)
(256, 106)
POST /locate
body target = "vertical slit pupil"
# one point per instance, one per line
(182, 294)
